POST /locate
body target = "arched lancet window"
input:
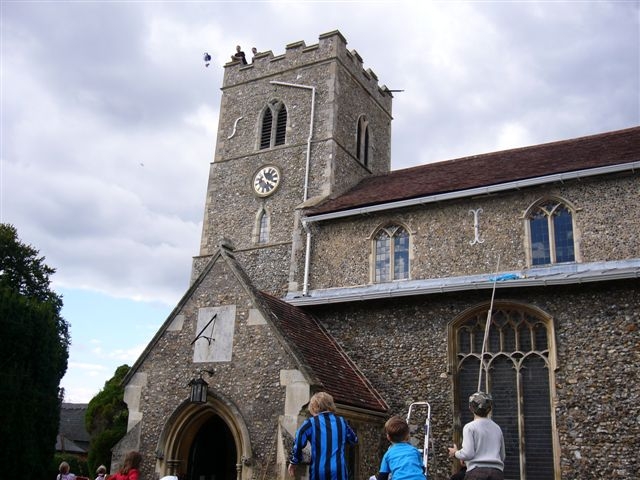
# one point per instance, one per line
(274, 125)
(520, 364)
(262, 227)
(362, 141)
(263, 235)
(391, 253)
(550, 224)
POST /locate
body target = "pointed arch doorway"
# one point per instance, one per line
(213, 454)
(205, 442)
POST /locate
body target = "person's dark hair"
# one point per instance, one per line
(132, 460)
(481, 403)
(397, 429)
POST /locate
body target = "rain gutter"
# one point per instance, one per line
(551, 276)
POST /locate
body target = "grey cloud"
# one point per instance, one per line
(105, 168)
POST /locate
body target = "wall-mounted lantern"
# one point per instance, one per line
(199, 388)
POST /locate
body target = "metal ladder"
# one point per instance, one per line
(427, 431)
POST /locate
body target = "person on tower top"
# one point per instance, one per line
(239, 55)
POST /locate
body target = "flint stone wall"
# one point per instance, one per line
(606, 223)
(401, 346)
(251, 381)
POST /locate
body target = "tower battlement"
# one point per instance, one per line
(332, 46)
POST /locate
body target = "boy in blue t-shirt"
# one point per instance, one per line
(402, 459)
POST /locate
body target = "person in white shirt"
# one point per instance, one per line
(482, 442)
(64, 472)
(101, 472)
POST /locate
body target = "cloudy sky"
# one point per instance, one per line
(108, 122)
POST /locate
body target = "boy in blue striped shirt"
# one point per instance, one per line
(328, 434)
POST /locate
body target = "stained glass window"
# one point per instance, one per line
(551, 234)
(391, 254)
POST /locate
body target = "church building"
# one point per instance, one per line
(321, 269)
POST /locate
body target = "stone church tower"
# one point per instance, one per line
(294, 129)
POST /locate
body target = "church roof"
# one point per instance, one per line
(467, 173)
(322, 355)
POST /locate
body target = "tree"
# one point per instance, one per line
(106, 419)
(36, 350)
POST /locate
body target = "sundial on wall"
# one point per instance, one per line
(202, 333)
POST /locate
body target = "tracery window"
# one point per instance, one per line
(519, 369)
(274, 125)
(550, 226)
(362, 141)
(391, 253)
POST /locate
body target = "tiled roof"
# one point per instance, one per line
(320, 353)
(600, 150)
(63, 444)
(72, 432)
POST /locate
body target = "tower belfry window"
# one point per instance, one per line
(273, 133)
(281, 126)
(362, 141)
(265, 136)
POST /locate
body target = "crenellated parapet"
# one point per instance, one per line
(332, 46)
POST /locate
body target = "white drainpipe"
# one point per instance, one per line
(305, 196)
(307, 260)
(313, 107)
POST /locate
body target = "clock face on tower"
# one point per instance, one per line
(266, 180)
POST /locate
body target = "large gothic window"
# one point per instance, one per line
(391, 254)
(274, 125)
(362, 141)
(550, 225)
(519, 364)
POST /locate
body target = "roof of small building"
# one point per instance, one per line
(605, 149)
(322, 355)
(72, 433)
(64, 444)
